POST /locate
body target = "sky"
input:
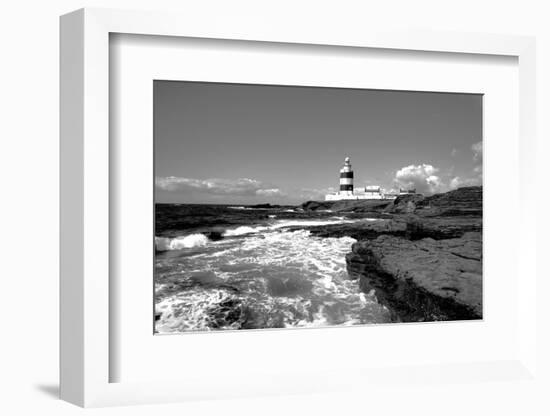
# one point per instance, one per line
(248, 144)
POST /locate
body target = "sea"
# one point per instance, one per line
(227, 267)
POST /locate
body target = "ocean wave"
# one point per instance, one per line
(178, 243)
(198, 240)
(309, 223)
(278, 279)
(243, 230)
(250, 208)
(190, 310)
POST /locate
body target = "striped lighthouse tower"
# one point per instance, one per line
(346, 178)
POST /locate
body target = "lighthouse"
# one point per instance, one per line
(346, 178)
(347, 190)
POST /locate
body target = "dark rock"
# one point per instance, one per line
(365, 205)
(316, 205)
(404, 204)
(422, 280)
(411, 227)
(466, 201)
(225, 314)
(440, 228)
(214, 235)
(361, 230)
(359, 206)
(243, 313)
(264, 206)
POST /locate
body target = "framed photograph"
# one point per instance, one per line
(248, 200)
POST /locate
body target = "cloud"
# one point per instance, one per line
(215, 186)
(428, 179)
(454, 152)
(270, 192)
(422, 177)
(315, 194)
(477, 148)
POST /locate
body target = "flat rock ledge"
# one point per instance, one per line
(424, 279)
(411, 227)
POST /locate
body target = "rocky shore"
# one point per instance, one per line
(422, 257)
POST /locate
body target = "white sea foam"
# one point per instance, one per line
(198, 240)
(178, 243)
(243, 230)
(276, 278)
(248, 208)
(309, 223)
(188, 310)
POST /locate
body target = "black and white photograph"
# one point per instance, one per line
(302, 207)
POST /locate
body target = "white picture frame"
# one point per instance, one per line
(85, 211)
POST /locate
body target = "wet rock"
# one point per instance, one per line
(226, 314)
(214, 235)
(422, 280)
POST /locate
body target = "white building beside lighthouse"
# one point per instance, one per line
(347, 190)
